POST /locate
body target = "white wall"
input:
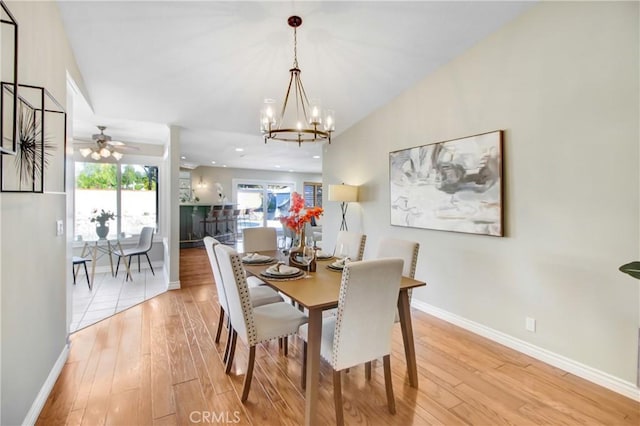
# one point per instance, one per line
(33, 311)
(562, 81)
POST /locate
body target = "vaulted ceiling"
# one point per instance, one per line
(208, 66)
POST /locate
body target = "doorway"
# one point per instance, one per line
(262, 203)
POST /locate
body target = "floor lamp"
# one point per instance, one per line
(344, 194)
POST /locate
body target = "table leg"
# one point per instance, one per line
(94, 260)
(313, 366)
(404, 311)
(110, 257)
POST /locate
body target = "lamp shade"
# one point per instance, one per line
(343, 193)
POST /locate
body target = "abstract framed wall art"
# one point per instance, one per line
(454, 185)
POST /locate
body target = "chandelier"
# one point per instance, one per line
(308, 123)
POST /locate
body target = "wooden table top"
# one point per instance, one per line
(321, 291)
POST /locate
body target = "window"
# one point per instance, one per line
(313, 194)
(264, 202)
(128, 190)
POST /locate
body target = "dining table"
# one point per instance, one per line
(104, 246)
(320, 292)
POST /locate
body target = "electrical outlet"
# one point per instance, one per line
(530, 324)
(59, 228)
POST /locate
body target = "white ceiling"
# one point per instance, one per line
(207, 66)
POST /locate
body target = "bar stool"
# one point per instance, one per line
(227, 214)
(216, 217)
(234, 224)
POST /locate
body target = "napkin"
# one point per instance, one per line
(323, 254)
(282, 269)
(256, 257)
(341, 262)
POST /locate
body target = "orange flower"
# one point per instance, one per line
(298, 218)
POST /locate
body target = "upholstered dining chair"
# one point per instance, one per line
(253, 324)
(144, 245)
(259, 239)
(408, 252)
(361, 332)
(259, 295)
(352, 243)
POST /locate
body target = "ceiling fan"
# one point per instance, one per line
(105, 147)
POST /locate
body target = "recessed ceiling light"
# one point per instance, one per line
(224, 165)
(277, 166)
(290, 171)
(213, 162)
(239, 149)
(316, 156)
(183, 158)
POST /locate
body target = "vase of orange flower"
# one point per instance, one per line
(299, 216)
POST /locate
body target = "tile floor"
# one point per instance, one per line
(112, 294)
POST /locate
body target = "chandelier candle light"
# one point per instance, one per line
(311, 123)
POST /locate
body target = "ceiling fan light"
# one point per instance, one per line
(116, 155)
(85, 151)
(96, 155)
(105, 153)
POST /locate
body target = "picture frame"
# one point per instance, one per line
(9, 81)
(454, 185)
(39, 163)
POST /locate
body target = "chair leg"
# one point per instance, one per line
(249, 374)
(75, 272)
(337, 397)
(367, 370)
(148, 260)
(220, 321)
(87, 274)
(129, 268)
(118, 265)
(227, 346)
(138, 263)
(391, 403)
(232, 348)
(303, 377)
(285, 344)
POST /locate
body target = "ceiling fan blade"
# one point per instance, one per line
(126, 148)
(116, 143)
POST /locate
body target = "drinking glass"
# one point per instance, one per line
(343, 250)
(282, 245)
(307, 257)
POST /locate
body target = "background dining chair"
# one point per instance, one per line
(350, 244)
(144, 245)
(361, 331)
(259, 296)
(254, 325)
(259, 239)
(403, 249)
(408, 252)
(76, 262)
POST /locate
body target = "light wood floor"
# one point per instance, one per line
(156, 363)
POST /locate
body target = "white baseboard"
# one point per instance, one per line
(174, 285)
(591, 374)
(100, 269)
(45, 390)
